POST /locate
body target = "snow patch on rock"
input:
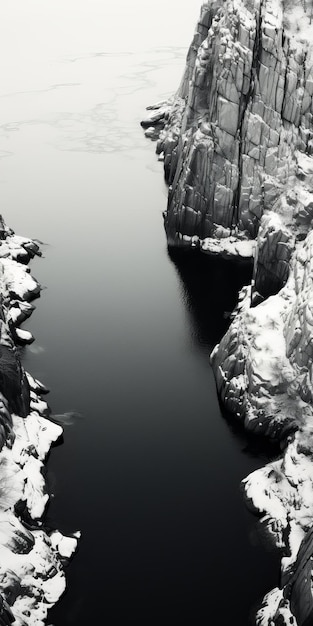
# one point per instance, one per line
(32, 558)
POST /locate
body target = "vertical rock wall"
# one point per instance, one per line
(237, 147)
(243, 107)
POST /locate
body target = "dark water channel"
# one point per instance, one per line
(150, 472)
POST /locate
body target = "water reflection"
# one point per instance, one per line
(209, 288)
(69, 418)
(153, 471)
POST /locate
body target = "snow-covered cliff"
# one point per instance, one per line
(237, 145)
(32, 556)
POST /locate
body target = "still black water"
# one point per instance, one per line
(150, 472)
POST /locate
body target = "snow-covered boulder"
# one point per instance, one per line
(31, 558)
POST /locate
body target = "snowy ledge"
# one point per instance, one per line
(229, 247)
(32, 558)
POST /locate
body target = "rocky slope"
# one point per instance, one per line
(237, 145)
(32, 557)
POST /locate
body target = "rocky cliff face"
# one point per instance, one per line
(31, 556)
(237, 146)
(243, 108)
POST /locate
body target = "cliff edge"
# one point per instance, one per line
(237, 145)
(32, 556)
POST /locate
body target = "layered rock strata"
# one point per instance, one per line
(32, 557)
(237, 146)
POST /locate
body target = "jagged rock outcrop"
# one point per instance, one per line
(32, 557)
(237, 146)
(229, 137)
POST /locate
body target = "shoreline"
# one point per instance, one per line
(236, 144)
(33, 557)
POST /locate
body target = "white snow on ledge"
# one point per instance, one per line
(31, 561)
(229, 247)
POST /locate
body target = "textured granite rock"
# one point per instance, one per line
(237, 146)
(32, 557)
(242, 109)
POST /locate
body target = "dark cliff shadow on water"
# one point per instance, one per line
(210, 287)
